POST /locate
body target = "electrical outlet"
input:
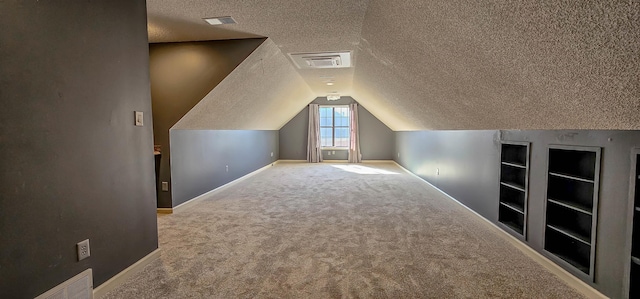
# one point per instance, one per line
(271, 154)
(398, 154)
(437, 171)
(83, 250)
(227, 168)
(139, 119)
(165, 186)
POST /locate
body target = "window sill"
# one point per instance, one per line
(334, 148)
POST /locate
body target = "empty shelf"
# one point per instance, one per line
(514, 226)
(572, 206)
(570, 234)
(512, 186)
(514, 165)
(573, 262)
(513, 207)
(571, 177)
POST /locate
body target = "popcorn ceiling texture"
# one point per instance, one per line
(263, 93)
(501, 64)
(293, 25)
(487, 64)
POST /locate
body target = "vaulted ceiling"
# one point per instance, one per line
(486, 64)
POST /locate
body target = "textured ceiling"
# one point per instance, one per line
(293, 25)
(263, 93)
(486, 64)
(501, 64)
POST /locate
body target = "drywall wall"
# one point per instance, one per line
(262, 93)
(74, 166)
(376, 139)
(523, 64)
(468, 163)
(182, 74)
(203, 160)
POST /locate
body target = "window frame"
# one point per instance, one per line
(333, 127)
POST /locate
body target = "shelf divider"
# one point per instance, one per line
(512, 186)
(512, 207)
(571, 177)
(514, 165)
(570, 206)
(570, 234)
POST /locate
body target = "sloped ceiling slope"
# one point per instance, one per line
(484, 64)
(263, 93)
(293, 25)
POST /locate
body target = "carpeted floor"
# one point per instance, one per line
(335, 231)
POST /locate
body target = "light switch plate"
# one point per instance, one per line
(165, 186)
(139, 119)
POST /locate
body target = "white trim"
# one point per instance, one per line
(552, 267)
(335, 161)
(121, 277)
(332, 148)
(198, 198)
(291, 161)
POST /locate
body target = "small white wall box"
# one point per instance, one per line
(139, 119)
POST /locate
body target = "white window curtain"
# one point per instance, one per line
(314, 151)
(354, 145)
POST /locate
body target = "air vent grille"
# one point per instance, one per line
(78, 287)
(321, 60)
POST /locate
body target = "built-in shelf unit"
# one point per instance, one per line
(571, 207)
(634, 278)
(514, 183)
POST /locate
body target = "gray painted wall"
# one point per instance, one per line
(182, 74)
(376, 139)
(469, 167)
(74, 166)
(199, 158)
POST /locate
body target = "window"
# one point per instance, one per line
(334, 126)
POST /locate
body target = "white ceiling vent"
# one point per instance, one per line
(324, 60)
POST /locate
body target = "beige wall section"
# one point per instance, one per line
(263, 93)
(526, 64)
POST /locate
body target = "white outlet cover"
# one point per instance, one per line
(84, 251)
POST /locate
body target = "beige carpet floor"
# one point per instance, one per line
(300, 230)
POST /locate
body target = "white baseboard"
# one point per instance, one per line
(552, 267)
(336, 161)
(198, 198)
(121, 277)
(291, 161)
